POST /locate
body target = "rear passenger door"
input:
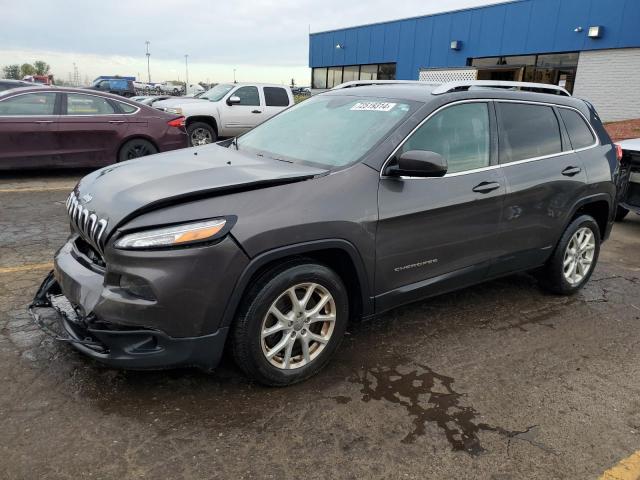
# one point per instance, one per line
(242, 117)
(545, 178)
(276, 99)
(91, 129)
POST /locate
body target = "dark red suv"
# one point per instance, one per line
(67, 127)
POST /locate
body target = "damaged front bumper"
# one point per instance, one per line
(121, 347)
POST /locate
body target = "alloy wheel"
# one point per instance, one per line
(298, 326)
(201, 136)
(137, 151)
(578, 256)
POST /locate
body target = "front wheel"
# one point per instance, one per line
(291, 323)
(200, 133)
(574, 258)
(136, 148)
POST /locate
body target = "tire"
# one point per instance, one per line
(136, 148)
(176, 92)
(289, 363)
(201, 133)
(553, 276)
(621, 212)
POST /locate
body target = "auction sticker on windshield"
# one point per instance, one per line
(373, 106)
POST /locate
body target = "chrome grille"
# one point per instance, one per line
(87, 223)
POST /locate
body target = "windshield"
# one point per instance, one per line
(332, 131)
(216, 93)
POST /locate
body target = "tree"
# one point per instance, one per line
(27, 69)
(12, 71)
(42, 68)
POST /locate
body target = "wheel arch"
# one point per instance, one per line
(339, 255)
(208, 119)
(599, 207)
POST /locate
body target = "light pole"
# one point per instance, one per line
(148, 64)
(186, 66)
(234, 76)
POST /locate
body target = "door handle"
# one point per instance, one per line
(44, 121)
(486, 187)
(571, 171)
(116, 121)
(256, 111)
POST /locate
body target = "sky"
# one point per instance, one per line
(263, 40)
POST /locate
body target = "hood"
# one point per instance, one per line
(632, 145)
(176, 102)
(121, 191)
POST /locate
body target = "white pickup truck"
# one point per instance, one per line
(228, 109)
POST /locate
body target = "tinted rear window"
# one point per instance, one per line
(527, 131)
(276, 97)
(579, 132)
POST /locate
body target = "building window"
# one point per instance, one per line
(555, 68)
(322, 78)
(319, 78)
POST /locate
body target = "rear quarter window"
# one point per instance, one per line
(527, 131)
(579, 132)
(276, 97)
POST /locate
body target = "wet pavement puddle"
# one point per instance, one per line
(429, 397)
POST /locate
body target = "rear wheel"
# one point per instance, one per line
(574, 258)
(621, 212)
(136, 148)
(290, 324)
(201, 133)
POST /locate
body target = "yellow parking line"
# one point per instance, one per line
(26, 268)
(44, 189)
(627, 469)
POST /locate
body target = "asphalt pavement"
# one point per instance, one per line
(499, 381)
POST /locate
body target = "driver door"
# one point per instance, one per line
(439, 234)
(239, 118)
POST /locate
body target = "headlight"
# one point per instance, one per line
(177, 111)
(173, 236)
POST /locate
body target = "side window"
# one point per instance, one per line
(78, 104)
(248, 96)
(527, 131)
(461, 134)
(579, 132)
(35, 104)
(276, 97)
(126, 108)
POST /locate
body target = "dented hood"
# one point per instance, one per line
(121, 191)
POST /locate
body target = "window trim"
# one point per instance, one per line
(498, 165)
(63, 106)
(57, 106)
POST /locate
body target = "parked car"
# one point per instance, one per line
(6, 84)
(344, 206)
(151, 99)
(193, 89)
(228, 110)
(171, 88)
(115, 86)
(142, 88)
(68, 127)
(301, 91)
(629, 195)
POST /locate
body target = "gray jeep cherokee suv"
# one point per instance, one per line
(344, 206)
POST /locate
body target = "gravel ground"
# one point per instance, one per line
(499, 381)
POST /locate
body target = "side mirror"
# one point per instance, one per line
(233, 100)
(419, 163)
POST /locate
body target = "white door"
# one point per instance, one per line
(241, 117)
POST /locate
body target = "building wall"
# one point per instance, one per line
(512, 28)
(610, 79)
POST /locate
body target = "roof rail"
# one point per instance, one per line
(362, 83)
(469, 84)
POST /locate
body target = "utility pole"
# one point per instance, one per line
(148, 63)
(186, 66)
(234, 76)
